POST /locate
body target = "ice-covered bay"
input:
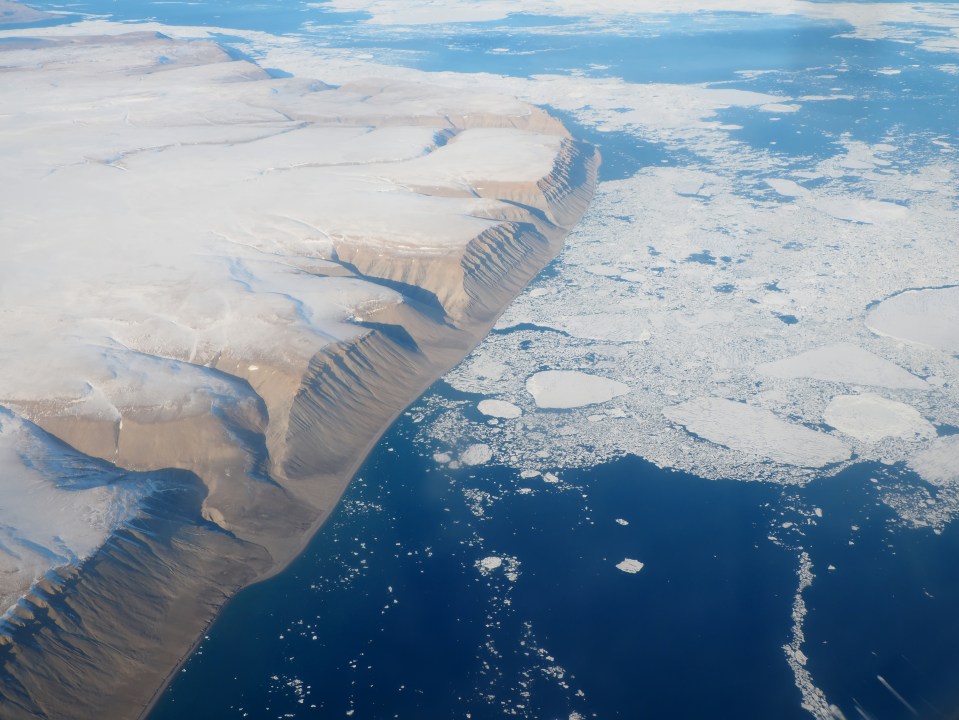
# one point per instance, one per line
(736, 277)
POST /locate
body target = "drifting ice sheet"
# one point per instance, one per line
(925, 317)
(843, 363)
(939, 463)
(757, 431)
(871, 418)
(630, 566)
(499, 409)
(572, 389)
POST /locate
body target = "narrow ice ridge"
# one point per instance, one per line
(814, 699)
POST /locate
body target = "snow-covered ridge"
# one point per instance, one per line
(212, 269)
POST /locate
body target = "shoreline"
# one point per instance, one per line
(72, 648)
(478, 337)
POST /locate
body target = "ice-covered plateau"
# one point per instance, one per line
(218, 288)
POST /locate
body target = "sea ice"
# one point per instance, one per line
(477, 454)
(572, 389)
(630, 566)
(499, 409)
(938, 463)
(926, 317)
(757, 431)
(843, 363)
(871, 418)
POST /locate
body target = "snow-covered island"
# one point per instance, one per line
(218, 288)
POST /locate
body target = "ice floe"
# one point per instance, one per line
(572, 389)
(630, 566)
(843, 363)
(871, 418)
(499, 409)
(939, 463)
(476, 454)
(757, 431)
(927, 317)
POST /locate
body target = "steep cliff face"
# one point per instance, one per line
(257, 275)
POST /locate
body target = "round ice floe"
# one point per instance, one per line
(477, 454)
(572, 389)
(924, 317)
(630, 566)
(939, 463)
(871, 418)
(499, 409)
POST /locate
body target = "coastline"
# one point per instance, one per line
(280, 567)
(176, 570)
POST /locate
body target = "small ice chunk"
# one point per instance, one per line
(441, 458)
(491, 563)
(550, 478)
(622, 522)
(529, 474)
(630, 566)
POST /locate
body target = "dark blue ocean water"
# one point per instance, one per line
(387, 613)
